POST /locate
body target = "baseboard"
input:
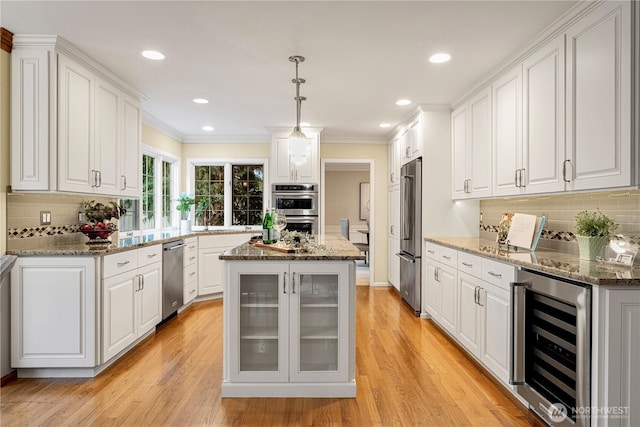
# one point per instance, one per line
(11, 376)
(382, 284)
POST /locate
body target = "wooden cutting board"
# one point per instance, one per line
(275, 247)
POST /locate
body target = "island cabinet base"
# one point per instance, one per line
(289, 329)
(289, 389)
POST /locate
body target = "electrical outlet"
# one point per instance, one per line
(45, 217)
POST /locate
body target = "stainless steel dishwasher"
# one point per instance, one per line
(172, 277)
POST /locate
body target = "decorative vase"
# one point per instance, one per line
(592, 247)
(185, 225)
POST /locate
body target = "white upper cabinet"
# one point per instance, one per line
(599, 99)
(30, 128)
(412, 141)
(75, 124)
(543, 124)
(471, 133)
(394, 157)
(459, 148)
(283, 170)
(560, 120)
(507, 133)
(130, 150)
(75, 128)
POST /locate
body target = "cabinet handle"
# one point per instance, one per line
(430, 251)
(192, 247)
(123, 180)
(498, 275)
(151, 255)
(447, 257)
(522, 172)
(475, 295)
(466, 264)
(293, 282)
(564, 170)
(192, 258)
(141, 282)
(193, 273)
(99, 174)
(480, 289)
(391, 176)
(284, 283)
(406, 151)
(122, 264)
(435, 274)
(94, 178)
(192, 291)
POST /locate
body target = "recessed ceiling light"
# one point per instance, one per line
(152, 54)
(403, 102)
(385, 125)
(207, 128)
(439, 58)
(305, 124)
(201, 101)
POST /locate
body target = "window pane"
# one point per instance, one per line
(247, 196)
(167, 185)
(129, 221)
(148, 189)
(209, 195)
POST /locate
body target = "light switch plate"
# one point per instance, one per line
(45, 217)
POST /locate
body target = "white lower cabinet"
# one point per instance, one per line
(484, 322)
(190, 275)
(469, 297)
(53, 312)
(615, 347)
(289, 329)
(131, 299)
(210, 267)
(441, 294)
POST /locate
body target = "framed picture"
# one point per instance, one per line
(365, 200)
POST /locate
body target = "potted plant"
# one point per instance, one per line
(184, 206)
(593, 230)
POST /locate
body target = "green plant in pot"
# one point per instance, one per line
(184, 206)
(593, 230)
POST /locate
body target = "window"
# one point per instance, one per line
(240, 203)
(156, 208)
(167, 195)
(148, 192)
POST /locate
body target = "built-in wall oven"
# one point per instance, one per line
(551, 354)
(299, 202)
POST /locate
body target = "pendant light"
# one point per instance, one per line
(298, 142)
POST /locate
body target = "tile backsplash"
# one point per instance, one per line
(23, 219)
(560, 209)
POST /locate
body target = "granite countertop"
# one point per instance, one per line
(553, 262)
(337, 249)
(125, 244)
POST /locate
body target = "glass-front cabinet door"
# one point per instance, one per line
(259, 332)
(319, 321)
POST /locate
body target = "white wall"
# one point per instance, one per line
(342, 197)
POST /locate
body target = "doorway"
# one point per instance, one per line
(347, 191)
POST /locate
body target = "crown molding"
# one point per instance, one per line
(7, 39)
(226, 139)
(355, 140)
(161, 126)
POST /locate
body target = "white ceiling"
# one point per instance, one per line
(361, 56)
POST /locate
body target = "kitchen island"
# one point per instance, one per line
(289, 321)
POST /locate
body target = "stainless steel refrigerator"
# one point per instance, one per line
(411, 233)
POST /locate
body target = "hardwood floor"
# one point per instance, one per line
(408, 374)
